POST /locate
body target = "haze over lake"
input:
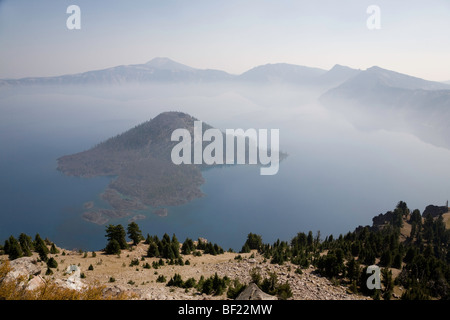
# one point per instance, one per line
(337, 176)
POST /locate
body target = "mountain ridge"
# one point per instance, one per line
(162, 69)
(385, 99)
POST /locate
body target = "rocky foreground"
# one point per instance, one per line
(118, 277)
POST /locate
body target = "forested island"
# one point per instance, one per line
(142, 173)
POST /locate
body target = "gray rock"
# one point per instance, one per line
(435, 211)
(23, 267)
(35, 283)
(253, 292)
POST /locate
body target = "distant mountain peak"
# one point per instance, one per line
(282, 72)
(168, 64)
(375, 76)
(338, 74)
(341, 67)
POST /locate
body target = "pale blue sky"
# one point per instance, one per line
(230, 35)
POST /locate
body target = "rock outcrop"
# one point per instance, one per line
(435, 211)
(253, 292)
(23, 267)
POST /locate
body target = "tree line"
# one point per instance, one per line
(423, 258)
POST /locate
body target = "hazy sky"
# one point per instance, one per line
(230, 35)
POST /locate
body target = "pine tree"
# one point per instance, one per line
(245, 248)
(187, 247)
(428, 228)
(166, 238)
(39, 245)
(175, 245)
(254, 241)
(388, 283)
(309, 240)
(353, 270)
(153, 250)
(113, 247)
(53, 249)
(26, 243)
(386, 259)
(14, 251)
(51, 263)
(117, 233)
(134, 233)
(397, 263)
(6, 246)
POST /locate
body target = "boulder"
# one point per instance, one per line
(253, 292)
(35, 283)
(73, 269)
(23, 267)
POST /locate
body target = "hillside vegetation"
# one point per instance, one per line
(412, 252)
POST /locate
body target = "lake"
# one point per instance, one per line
(335, 178)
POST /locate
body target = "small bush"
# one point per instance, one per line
(189, 283)
(235, 289)
(51, 263)
(134, 262)
(175, 281)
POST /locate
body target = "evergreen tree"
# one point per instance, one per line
(168, 252)
(253, 242)
(269, 284)
(175, 281)
(428, 228)
(51, 263)
(117, 233)
(53, 249)
(175, 245)
(397, 263)
(39, 245)
(14, 251)
(26, 243)
(235, 289)
(353, 270)
(416, 217)
(153, 250)
(309, 240)
(398, 218)
(386, 259)
(166, 238)
(187, 247)
(355, 248)
(113, 247)
(245, 248)
(402, 207)
(6, 246)
(201, 244)
(134, 233)
(388, 283)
